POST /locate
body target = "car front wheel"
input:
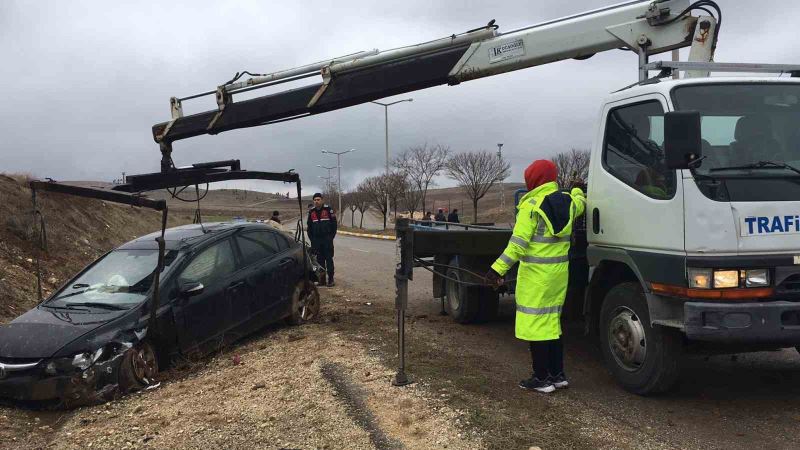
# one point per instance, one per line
(305, 304)
(139, 367)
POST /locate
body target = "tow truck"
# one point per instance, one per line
(692, 236)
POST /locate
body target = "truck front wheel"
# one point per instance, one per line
(643, 358)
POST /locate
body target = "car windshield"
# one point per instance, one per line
(118, 280)
(747, 129)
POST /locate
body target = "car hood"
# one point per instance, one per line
(41, 332)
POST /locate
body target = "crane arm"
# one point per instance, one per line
(644, 27)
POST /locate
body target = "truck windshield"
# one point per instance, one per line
(749, 130)
(120, 279)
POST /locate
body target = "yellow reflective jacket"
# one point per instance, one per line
(540, 243)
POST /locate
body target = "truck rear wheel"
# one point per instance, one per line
(462, 302)
(643, 358)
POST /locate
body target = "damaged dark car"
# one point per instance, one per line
(94, 339)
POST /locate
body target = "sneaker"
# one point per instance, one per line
(560, 381)
(331, 283)
(535, 384)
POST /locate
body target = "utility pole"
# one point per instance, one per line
(386, 128)
(327, 186)
(502, 192)
(327, 182)
(339, 169)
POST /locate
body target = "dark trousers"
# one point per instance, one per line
(547, 357)
(324, 250)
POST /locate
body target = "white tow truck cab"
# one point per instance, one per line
(693, 221)
(693, 215)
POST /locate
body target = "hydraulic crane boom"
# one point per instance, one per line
(644, 27)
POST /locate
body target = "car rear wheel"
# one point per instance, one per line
(139, 367)
(305, 304)
(643, 358)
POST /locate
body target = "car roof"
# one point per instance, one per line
(191, 235)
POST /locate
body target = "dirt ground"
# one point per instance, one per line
(321, 385)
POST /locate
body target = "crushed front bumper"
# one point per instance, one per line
(96, 384)
(776, 322)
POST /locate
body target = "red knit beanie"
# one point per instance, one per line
(540, 172)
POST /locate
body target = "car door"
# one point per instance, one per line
(204, 317)
(290, 270)
(259, 267)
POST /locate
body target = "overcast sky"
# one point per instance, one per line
(83, 82)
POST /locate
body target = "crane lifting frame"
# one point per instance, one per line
(131, 193)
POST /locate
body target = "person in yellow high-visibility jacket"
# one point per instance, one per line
(540, 243)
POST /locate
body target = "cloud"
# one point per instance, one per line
(84, 81)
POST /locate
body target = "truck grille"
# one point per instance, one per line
(789, 286)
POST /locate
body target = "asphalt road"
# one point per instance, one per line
(752, 400)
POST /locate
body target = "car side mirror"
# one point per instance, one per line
(683, 146)
(190, 289)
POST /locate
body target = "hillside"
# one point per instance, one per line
(222, 204)
(489, 209)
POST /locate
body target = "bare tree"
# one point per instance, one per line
(420, 164)
(411, 199)
(476, 173)
(375, 189)
(396, 186)
(572, 165)
(348, 202)
(361, 202)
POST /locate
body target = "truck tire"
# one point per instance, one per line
(463, 302)
(644, 359)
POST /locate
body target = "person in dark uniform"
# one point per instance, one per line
(453, 216)
(321, 231)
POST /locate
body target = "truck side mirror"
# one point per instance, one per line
(682, 142)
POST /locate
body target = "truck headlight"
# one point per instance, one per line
(704, 278)
(699, 278)
(726, 279)
(757, 278)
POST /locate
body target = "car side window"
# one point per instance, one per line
(256, 246)
(211, 264)
(633, 152)
(283, 242)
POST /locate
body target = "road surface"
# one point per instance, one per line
(752, 401)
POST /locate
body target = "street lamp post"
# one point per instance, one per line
(386, 128)
(327, 186)
(327, 181)
(502, 193)
(339, 169)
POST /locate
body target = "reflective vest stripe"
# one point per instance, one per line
(550, 240)
(519, 241)
(539, 311)
(543, 259)
(507, 259)
(540, 228)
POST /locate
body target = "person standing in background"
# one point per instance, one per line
(322, 228)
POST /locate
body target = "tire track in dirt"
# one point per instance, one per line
(354, 399)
